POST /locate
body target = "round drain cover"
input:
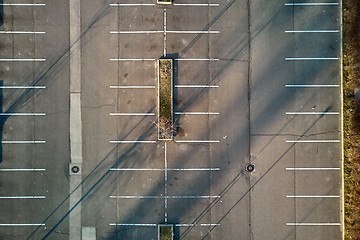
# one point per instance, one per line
(75, 169)
(250, 167)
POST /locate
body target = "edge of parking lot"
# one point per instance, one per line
(351, 117)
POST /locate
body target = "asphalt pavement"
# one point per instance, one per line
(254, 82)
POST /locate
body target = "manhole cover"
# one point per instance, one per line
(250, 167)
(75, 169)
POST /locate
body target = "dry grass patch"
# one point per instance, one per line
(165, 111)
(351, 74)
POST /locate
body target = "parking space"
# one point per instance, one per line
(148, 172)
(33, 117)
(19, 118)
(319, 43)
(253, 82)
(305, 101)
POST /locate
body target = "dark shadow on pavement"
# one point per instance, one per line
(2, 119)
(1, 13)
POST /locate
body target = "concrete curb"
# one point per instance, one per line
(75, 189)
(342, 194)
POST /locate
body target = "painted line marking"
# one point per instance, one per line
(197, 4)
(312, 196)
(194, 32)
(310, 169)
(197, 59)
(165, 183)
(22, 87)
(313, 224)
(155, 225)
(22, 169)
(22, 197)
(132, 59)
(20, 32)
(22, 60)
(196, 86)
(312, 31)
(130, 4)
(134, 224)
(168, 197)
(312, 4)
(308, 58)
(22, 142)
(132, 87)
(165, 32)
(197, 113)
(22, 114)
(135, 32)
(132, 141)
(162, 169)
(21, 224)
(24, 4)
(132, 114)
(312, 141)
(197, 141)
(194, 224)
(312, 113)
(310, 85)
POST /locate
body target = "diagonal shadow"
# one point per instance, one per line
(103, 178)
(95, 185)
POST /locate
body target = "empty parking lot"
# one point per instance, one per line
(253, 82)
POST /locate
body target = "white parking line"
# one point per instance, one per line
(162, 169)
(311, 169)
(312, 113)
(22, 142)
(197, 113)
(22, 87)
(196, 86)
(312, 141)
(312, 196)
(132, 114)
(132, 141)
(132, 87)
(165, 23)
(312, 4)
(155, 225)
(135, 32)
(132, 59)
(307, 58)
(165, 183)
(130, 4)
(194, 32)
(22, 169)
(22, 59)
(22, 114)
(22, 197)
(312, 31)
(164, 31)
(24, 4)
(311, 85)
(162, 197)
(313, 224)
(20, 32)
(134, 224)
(197, 59)
(197, 141)
(198, 224)
(197, 4)
(21, 224)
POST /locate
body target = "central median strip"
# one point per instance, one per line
(165, 99)
(165, 232)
